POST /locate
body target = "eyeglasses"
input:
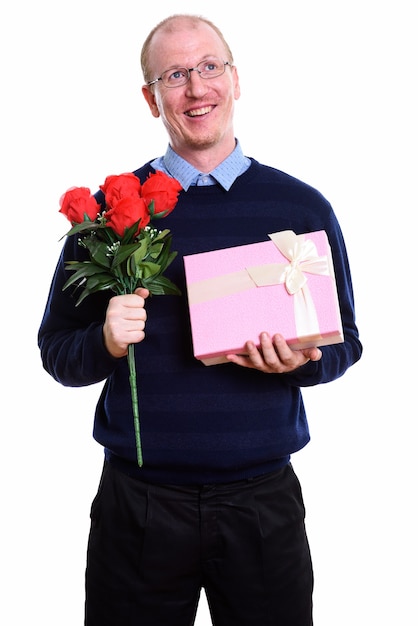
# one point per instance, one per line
(178, 76)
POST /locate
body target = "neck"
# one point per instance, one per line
(205, 159)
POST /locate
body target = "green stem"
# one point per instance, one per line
(134, 396)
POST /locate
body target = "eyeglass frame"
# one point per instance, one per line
(188, 70)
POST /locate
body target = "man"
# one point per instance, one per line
(216, 504)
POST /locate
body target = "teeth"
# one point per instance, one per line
(201, 111)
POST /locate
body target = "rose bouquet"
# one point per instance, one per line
(125, 249)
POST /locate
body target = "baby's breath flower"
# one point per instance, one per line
(151, 231)
(112, 249)
(101, 218)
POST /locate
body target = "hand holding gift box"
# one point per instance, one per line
(285, 285)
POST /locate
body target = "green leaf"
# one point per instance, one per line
(149, 269)
(156, 249)
(163, 234)
(76, 278)
(166, 258)
(83, 227)
(99, 282)
(99, 252)
(160, 214)
(82, 270)
(132, 263)
(108, 234)
(123, 252)
(171, 257)
(143, 270)
(75, 265)
(151, 209)
(161, 285)
(130, 233)
(137, 250)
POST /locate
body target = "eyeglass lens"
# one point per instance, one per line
(209, 68)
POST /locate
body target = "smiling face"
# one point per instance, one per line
(198, 116)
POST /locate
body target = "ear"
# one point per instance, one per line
(235, 78)
(150, 98)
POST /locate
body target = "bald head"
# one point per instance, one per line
(171, 25)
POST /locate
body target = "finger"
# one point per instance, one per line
(282, 347)
(252, 359)
(142, 292)
(313, 354)
(292, 359)
(268, 350)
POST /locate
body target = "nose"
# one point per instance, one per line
(196, 85)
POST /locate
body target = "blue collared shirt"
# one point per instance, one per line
(224, 174)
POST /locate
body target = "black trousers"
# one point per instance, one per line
(152, 548)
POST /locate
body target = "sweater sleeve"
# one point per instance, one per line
(70, 337)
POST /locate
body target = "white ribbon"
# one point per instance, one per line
(303, 257)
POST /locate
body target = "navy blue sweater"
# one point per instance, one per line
(200, 424)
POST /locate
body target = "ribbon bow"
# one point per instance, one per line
(303, 257)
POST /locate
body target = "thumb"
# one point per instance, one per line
(315, 354)
(142, 291)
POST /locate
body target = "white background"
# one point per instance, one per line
(328, 95)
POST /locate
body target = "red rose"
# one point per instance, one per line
(126, 212)
(122, 186)
(163, 190)
(78, 201)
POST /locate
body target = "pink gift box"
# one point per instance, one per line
(285, 285)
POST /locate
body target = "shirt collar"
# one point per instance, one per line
(224, 174)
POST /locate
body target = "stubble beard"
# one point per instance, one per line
(203, 142)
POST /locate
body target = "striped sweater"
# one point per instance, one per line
(200, 424)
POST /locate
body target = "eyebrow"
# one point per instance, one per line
(205, 58)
